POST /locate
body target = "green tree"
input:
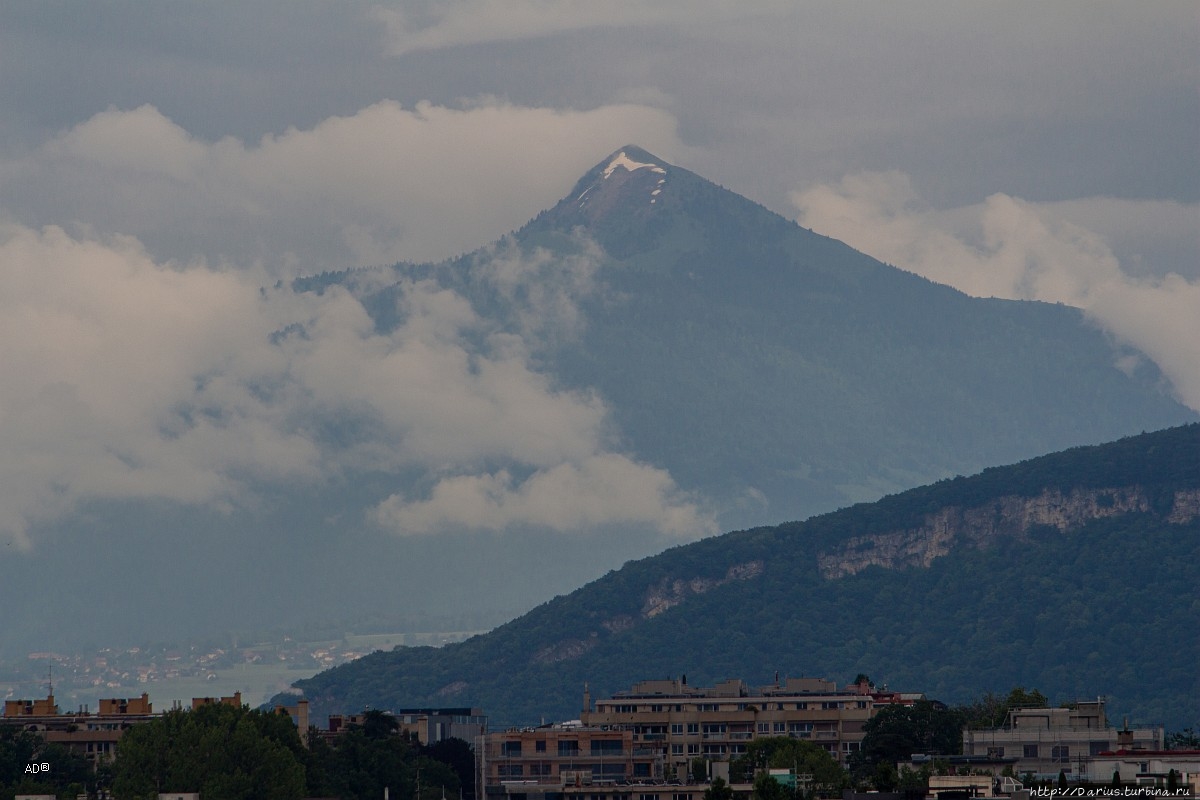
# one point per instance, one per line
(1019, 698)
(718, 790)
(217, 750)
(68, 772)
(767, 788)
(783, 752)
(914, 779)
(885, 778)
(896, 732)
(458, 755)
(1186, 739)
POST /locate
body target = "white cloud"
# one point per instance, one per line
(1010, 248)
(385, 184)
(128, 379)
(606, 489)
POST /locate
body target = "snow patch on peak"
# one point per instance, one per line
(627, 163)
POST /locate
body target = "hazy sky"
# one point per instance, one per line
(159, 163)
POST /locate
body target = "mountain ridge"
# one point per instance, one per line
(717, 599)
(757, 371)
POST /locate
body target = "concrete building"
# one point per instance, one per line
(571, 761)
(1046, 741)
(235, 701)
(681, 722)
(430, 725)
(1147, 768)
(92, 735)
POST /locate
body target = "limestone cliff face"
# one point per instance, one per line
(1007, 516)
(670, 593)
(1186, 508)
(666, 594)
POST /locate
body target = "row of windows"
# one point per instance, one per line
(640, 770)
(1058, 752)
(566, 747)
(822, 705)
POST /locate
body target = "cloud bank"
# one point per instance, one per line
(382, 185)
(480, 21)
(1007, 247)
(127, 378)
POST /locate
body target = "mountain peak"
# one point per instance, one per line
(619, 199)
(626, 159)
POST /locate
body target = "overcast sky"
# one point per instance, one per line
(159, 163)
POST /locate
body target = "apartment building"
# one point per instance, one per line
(571, 761)
(1046, 741)
(92, 735)
(1147, 768)
(681, 722)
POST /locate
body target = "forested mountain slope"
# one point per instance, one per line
(1073, 573)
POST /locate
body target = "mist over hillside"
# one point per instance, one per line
(651, 361)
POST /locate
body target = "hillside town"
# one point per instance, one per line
(668, 740)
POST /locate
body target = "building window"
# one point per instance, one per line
(540, 745)
(1031, 751)
(764, 727)
(509, 749)
(568, 747)
(676, 749)
(995, 752)
(1060, 753)
(677, 729)
(781, 727)
(693, 749)
(1096, 748)
(608, 770)
(606, 747)
(693, 727)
